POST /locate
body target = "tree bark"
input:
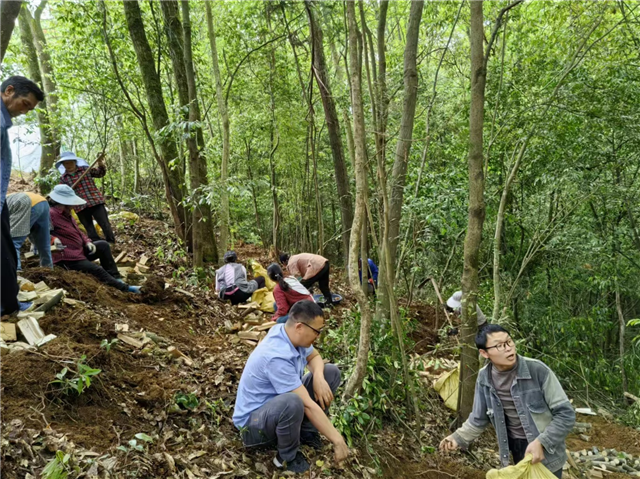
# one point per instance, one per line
(172, 177)
(403, 147)
(48, 145)
(9, 11)
(226, 145)
(355, 380)
(469, 353)
(204, 244)
(175, 38)
(333, 126)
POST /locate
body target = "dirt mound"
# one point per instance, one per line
(604, 434)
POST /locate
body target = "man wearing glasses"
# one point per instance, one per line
(276, 404)
(522, 399)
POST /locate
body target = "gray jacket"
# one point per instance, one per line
(543, 407)
(234, 274)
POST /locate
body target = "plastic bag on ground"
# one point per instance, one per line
(523, 470)
(447, 386)
(265, 299)
(258, 270)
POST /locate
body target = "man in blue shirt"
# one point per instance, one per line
(276, 404)
(18, 95)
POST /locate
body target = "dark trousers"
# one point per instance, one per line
(8, 266)
(281, 420)
(518, 448)
(322, 278)
(107, 272)
(99, 213)
(238, 296)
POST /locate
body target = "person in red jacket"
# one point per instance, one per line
(288, 291)
(73, 249)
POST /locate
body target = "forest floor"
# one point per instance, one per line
(183, 409)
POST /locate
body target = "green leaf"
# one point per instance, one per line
(144, 437)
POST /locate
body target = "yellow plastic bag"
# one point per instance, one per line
(447, 386)
(258, 270)
(265, 299)
(81, 226)
(523, 470)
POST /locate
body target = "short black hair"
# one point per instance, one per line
(486, 330)
(304, 312)
(22, 87)
(284, 258)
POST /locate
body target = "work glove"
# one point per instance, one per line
(58, 244)
(91, 247)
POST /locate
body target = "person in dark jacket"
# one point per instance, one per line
(74, 250)
(288, 291)
(232, 283)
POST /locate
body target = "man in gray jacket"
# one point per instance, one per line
(522, 399)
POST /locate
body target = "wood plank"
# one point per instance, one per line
(176, 353)
(131, 341)
(253, 344)
(266, 326)
(143, 260)
(41, 287)
(187, 293)
(120, 256)
(8, 332)
(253, 335)
(31, 330)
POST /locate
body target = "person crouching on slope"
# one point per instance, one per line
(522, 399)
(232, 283)
(287, 292)
(276, 405)
(78, 251)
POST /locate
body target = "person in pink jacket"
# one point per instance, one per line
(312, 268)
(288, 291)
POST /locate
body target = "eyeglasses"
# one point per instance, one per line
(317, 331)
(502, 346)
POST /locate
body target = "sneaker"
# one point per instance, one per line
(23, 305)
(311, 439)
(298, 465)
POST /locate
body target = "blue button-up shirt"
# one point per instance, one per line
(5, 152)
(275, 367)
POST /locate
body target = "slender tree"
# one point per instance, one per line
(204, 244)
(226, 145)
(333, 125)
(9, 11)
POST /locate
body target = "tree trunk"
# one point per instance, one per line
(621, 327)
(136, 168)
(204, 244)
(333, 126)
(9, 11)
(48, 148)
(226, 145)
(403, 147)
(357, 376)
(172, 177)
(175, 38)
(469, 354)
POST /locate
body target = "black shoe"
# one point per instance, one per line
(298, 465)
(311, 439)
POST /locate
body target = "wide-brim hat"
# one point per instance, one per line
(455, 301)
(65, 195)
(69, 156)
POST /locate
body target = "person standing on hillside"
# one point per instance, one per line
(312, 268)
(523, 400)
(18, 96)
(29, 216)
(276, 405)
(94, 208)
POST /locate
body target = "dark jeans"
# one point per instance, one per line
(99, 213)
(8, 266)
(281, 420)
(322, 278)
(518, 448)
(107, 272)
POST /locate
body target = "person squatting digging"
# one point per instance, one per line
(276, 405)
(522, 399)
(287, 292)
(29, 216)
(312, 268)
(18, 96)
(75, 251)
(231, 281)
(454, 305)
(94, 206)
